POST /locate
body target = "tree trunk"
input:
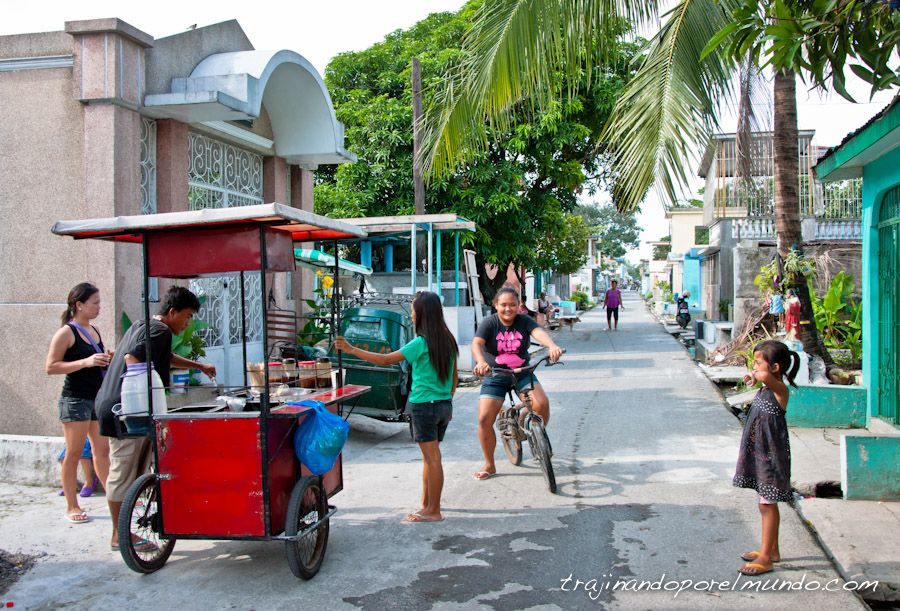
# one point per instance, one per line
(490, 286)
(787, 203)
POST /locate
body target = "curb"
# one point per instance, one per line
(30, 459)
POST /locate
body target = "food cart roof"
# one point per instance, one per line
(380, 225)
(317, 258)
(302, 225)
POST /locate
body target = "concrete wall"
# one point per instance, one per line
(870, 467)
(827, 406)
(683, 223)
(41, 181)
(749, 256)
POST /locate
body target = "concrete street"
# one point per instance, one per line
(644, 455)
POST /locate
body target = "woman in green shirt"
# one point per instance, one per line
(432, 355)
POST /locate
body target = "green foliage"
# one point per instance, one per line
(815, 38)
(317, 326)
(520, 189)
(765, 280)
(701, 235)
(723, 308)
(581, 300)
(188, 344)
(665, 290)
(619, 232)
(794, 266)
(661, 252)
(838, 317)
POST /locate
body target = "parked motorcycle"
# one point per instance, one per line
(683, 311)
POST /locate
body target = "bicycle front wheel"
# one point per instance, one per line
(540, 447)
(512, 445)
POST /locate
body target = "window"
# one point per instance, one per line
(701, 235)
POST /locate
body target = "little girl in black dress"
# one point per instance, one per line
(764, 460)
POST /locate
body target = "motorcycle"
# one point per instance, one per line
(682, 313)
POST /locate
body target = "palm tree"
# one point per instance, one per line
(671, 105)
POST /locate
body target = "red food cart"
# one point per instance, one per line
(227, 474)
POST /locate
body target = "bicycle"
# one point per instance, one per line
(517, 422)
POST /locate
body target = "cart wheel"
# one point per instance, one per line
(308, 505)
(140, 518)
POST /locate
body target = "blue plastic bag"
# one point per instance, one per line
(320, 437)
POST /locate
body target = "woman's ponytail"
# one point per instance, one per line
(793, 368)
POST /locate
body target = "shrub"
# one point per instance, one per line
(581, 299)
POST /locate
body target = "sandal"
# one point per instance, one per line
(86, 490)
(77, 518)
(752, 569)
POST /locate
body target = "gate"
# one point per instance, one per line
(224, 176)
(889, 307)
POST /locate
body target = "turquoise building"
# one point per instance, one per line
(871, 464)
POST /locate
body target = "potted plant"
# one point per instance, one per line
(188, 344)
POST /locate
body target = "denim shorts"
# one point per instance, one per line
(496, 387)
(73, 409)
(430, 419)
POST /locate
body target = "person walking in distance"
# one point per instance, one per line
(613, 301)
(77, 351)
(764, 456)
(432, 355)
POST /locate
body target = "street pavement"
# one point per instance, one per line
(644, 455)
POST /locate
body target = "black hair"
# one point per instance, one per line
(775, 353)
(79, 294)
(442, 348)
(178, 298)
(614, 282)
(507, 289)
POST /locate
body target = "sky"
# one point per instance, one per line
(320, 30)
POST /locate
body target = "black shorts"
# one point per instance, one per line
(612, 312)
(430, 419)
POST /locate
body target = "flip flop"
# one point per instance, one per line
(751, 556)
(415, 517)
(482, 475)
(77, 518)
(752, 569)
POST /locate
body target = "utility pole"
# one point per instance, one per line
(418, 181)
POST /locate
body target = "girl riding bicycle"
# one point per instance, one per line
(432, 355)
(503, 340)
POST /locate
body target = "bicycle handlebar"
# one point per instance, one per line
(527, 368)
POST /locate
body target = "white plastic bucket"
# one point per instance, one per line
(135, 401)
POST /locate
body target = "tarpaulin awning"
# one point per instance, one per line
(317, 258)
(303, 226)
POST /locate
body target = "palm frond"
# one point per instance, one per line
(669, 108)
(515, 50)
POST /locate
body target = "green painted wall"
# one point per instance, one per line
(878, 177)
(870, 467)
(827, 406)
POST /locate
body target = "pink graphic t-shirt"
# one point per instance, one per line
(508, 345)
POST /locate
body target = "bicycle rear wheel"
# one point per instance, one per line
(540, 447)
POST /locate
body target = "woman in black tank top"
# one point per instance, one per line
(73, 353)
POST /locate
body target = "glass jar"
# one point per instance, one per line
(307, 370)
(323, 372)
